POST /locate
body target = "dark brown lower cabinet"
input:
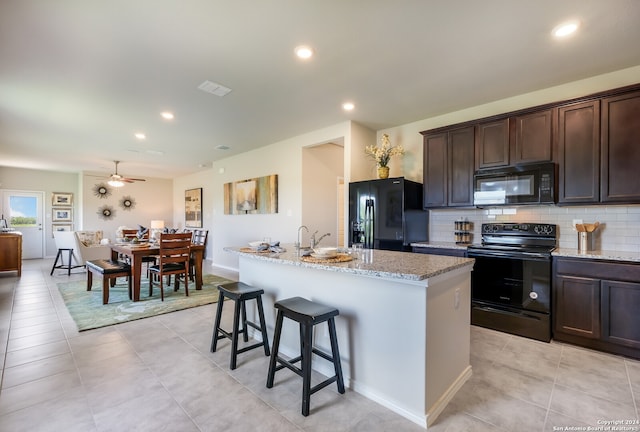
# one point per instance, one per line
(596, 304)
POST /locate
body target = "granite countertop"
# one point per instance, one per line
(374, 262)
(602, 255)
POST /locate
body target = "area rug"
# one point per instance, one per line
(88, 312)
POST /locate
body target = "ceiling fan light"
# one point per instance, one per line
(115, 183)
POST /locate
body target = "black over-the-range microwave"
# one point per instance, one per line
(519, 184)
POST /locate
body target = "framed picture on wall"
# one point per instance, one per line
(61, 227)
(193, 208)
(62, 215)
(62, 199)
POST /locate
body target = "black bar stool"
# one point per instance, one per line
(307, 314)
(239, 292)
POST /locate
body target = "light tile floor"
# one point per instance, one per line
(158, 374)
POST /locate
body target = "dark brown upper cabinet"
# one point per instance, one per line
(492, 144)
(435, 170)
(448, 168)
(578, 153)
(595, 140)
(520, 139)
(620, 157)
(533, 137)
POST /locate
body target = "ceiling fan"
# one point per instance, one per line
(116, 180)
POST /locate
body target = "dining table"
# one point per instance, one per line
(135, 252)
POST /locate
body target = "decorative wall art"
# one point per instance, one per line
(62, 215)
(101, 190)
(106, 212)
(61, 227)
(252, 196)
(62, 199)
(193, 208)
(127, 203)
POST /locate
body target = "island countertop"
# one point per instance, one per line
(373, 262)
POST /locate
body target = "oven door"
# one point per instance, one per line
(515, 280)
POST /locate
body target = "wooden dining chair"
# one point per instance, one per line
(199, 237)
(172, 260)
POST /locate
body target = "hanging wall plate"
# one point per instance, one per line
(106, 212)
(127, 203)
(101, 190)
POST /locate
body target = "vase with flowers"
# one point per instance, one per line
(382, 154)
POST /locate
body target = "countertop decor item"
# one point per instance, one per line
(382, 155)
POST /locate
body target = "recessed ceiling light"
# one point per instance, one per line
(167, 115)
(348, 106)
(565, 29)
(140, 136)
(304, 52)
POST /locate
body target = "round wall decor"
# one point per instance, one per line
(106, 212)
(101, 190)
(127, 203)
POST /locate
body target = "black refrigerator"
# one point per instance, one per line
(387, 214)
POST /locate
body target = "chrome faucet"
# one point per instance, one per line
(299, 243)
(315, 242)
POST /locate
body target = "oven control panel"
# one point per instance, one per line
(545, 230)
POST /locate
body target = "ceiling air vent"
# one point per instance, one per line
(214, 88)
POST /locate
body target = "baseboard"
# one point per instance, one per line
(436, 409)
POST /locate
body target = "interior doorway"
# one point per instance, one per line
(322, 173)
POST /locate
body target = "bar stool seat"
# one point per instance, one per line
(239, 292)
(307, 314)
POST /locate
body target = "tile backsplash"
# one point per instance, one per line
(619, 228)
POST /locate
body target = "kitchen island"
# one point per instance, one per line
(403, 328)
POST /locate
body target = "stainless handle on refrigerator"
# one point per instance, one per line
(370, 223)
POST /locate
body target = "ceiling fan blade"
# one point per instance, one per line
(131, 180)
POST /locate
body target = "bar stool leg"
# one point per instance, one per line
(307, 346)
(216, 326)
(234, 335)
(245, 335)
(263, 326)
(336, 355)
(274, 350)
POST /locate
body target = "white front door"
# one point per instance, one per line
(23, 212)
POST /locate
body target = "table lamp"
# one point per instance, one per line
(156, 228)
